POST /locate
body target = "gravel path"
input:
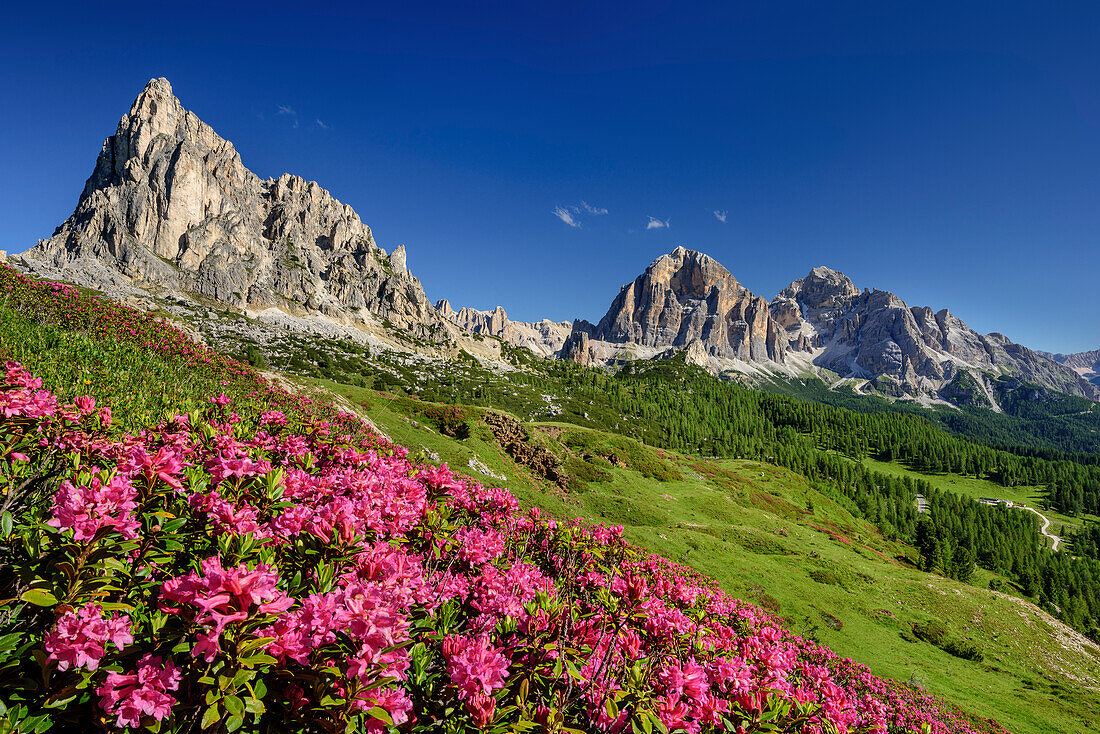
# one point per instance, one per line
(1046, 524)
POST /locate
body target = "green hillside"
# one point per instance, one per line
(767, 535)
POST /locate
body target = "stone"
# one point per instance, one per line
(544, 338)
(170, 205)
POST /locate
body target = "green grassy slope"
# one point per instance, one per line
(768, 536)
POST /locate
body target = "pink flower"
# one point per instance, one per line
(80, 638)
(223, 597)
(482, 707)
(475, 666)
(88, 509)
(86, 404)
(142, 693)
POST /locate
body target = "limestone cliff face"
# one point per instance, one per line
(170, 205)
(871, 334)
(686, 297)
(544, 338)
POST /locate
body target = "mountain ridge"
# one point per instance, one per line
(686, 300)
(171, 207)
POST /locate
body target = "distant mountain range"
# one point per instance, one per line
(820, 324)
(171, 210)
(1086, 364)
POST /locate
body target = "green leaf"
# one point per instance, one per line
(39, 597)
(234, 705)
(6, 523)
(260, 659)
(381, 714)
(210, 717)
(233, 723)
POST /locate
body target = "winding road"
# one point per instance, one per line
(922, 506)
(1046, 524)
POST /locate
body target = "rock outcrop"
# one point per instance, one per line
(171, 206)
(577, 347)
(874, 334)
(686, 297)
(544, 338)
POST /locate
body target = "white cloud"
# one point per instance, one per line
(286, 110)
(655, 223)
(321, 124)
(566, 216)
(571, 214)
(721, 214)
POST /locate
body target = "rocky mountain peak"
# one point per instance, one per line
(686, 296)
(170, 205)
(690, 273)
(821, 287)
(544, 338)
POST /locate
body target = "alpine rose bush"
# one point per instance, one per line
(265, 563)
(238, 572)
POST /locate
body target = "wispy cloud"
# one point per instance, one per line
(571, 214)
(321, 124)
(286, 110)
(655, 223)
(721, 214)
(566, 216)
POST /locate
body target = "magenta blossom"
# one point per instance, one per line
(80, 638)
(142, 693)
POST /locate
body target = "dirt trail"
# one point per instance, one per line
(1043, 530)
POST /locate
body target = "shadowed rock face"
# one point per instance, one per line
(170, 204)
(686, 297)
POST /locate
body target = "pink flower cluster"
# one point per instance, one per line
(131, 696)
(79, 640)
(23, 396)
(221, 597)
(96, 505)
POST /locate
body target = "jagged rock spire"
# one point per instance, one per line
(170, 204)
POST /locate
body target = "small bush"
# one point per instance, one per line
(449, 420)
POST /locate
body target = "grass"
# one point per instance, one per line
(766, 535)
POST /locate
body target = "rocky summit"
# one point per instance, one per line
(170, 206)
(544, 338)
(686, 297)
(821, 323)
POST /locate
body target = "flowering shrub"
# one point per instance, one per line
(230, 573)
(268, 563)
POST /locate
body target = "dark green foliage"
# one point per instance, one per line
(449, 420)
(935, 633)
(674, 405)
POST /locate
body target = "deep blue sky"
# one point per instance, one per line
(947, 151)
